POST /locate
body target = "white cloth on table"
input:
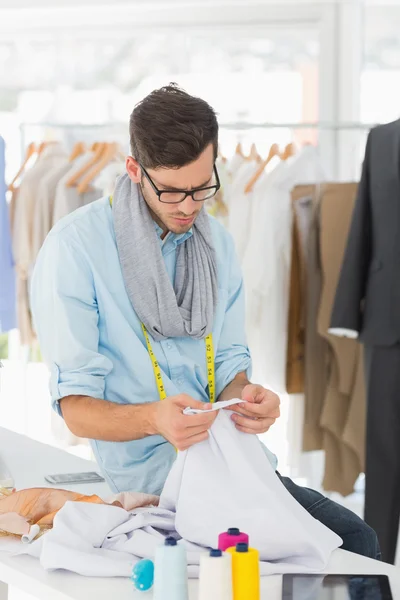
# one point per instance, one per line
(226, 481)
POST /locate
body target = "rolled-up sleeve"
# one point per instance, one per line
(233, 355)
(65, 317)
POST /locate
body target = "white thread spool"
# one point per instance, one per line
(215, 579)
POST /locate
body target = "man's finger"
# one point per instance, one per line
(250, 410)
(203, 419)
(196, 439)
(256, 426)
(246, 430)
(185, 401)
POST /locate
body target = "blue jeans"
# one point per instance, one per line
(357, 536)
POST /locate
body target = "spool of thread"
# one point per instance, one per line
(143, 575)
(170, 571)
(215, 579)
(245, 572)
(230, 538)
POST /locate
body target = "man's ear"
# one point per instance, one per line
(133, 169)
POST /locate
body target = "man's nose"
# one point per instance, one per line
(189, 206)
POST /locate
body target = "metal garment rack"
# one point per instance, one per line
(330, 139)
(240, 125)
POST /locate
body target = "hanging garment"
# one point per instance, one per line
(296, 321)
(343, 463)
(107, 178)
(266, 265)
(22, 234)
(240, 207)
(368, 303)
(43, 217)
(8, 319)
(295, 360)
(234, 164)
(100, 540)
(316, 349)
(68, 199)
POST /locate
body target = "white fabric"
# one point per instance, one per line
(240, 207)
(339, 332)
(108, 176)
(266, 264)
(223, 482)
(214, 407)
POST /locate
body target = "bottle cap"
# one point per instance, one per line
(215, 553)
(170, 541)
(242, 547)
(233, 531)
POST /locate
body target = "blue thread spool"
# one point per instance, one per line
(170, 575)
(143, 575)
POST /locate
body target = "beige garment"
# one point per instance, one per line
(68, 199)
(344, 461)
(22, 232)
(24, 318)
(316, 354)
(302, 203)
(43, 215)
(25, 207)
(295, 342)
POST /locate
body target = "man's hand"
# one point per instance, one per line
(182, 431)
(259, 412)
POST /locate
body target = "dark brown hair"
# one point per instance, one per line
(170, 128)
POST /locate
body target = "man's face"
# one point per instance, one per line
(178, 218)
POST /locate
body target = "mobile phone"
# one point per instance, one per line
(340, 587)
(67, 478)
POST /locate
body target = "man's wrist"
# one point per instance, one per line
(235, 387)
(149, 412)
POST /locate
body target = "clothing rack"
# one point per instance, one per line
(329, 143)
(239, 125)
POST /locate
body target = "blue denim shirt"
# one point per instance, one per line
(92, 340)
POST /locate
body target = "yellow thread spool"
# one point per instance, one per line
(245, 572)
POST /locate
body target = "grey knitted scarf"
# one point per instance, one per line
(180, 310)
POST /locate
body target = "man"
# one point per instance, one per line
(139, 298)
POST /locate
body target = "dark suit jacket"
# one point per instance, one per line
(368, 294)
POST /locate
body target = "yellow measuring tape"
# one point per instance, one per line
(157, 371)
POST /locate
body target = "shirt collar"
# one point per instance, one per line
(173, 237)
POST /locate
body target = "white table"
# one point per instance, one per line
(29, 461)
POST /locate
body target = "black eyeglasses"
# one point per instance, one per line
(177, 196)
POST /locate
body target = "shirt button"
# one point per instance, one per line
(180, 381)
(169, 346)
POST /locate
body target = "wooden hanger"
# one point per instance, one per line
(221, 157)
(78, 149)
(73, 180)
(30, 151)
(109, 154)
(254, 154)
(239, 150)
(273, 151)
(289, 151)
(42, 147)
